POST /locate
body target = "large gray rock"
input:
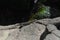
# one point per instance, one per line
(4, 34)
(51, 27)
(47, 21)
(32, 31)
(51, 37)
(55, 33)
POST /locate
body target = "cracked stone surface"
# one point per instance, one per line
(55, 33)
(5, 33)
(31, 31)
(28, 32)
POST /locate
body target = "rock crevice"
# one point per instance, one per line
(31, 30)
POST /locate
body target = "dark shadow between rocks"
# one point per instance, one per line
(58, 26)
(44, 34)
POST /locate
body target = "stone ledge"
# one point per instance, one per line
(30, 30)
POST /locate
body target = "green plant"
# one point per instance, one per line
(42, 12)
